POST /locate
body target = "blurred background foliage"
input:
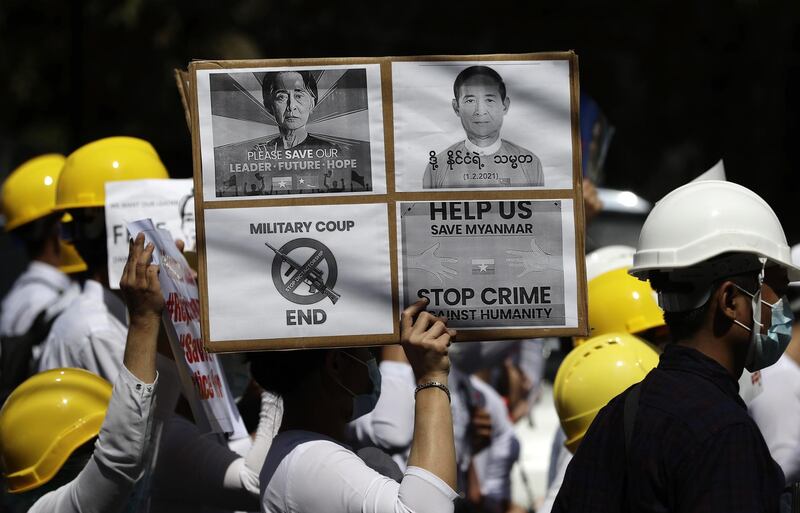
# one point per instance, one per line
(684, 83)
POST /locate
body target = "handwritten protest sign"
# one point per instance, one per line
(201, 375)
(169, 203)
(333, 192)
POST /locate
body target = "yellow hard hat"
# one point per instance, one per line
(618, 302)
(594, 373)
(29, 192)
(71, 261)
(45, 419)
(83, 181)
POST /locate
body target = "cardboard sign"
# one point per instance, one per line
(169, 203)
(202, 377)
(333, 192)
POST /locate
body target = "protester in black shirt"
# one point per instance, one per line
(717, 256)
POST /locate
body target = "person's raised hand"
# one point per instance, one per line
(425, 339)
(139, 283)
(592, 205)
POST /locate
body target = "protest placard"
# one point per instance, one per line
(169, 203)
(334, 192)
(202, 378)
(183, 83)
(490, 263)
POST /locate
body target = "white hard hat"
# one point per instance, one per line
(717, 172)
(608, 258)
(703, 220)
(796, 261)
(794, 286)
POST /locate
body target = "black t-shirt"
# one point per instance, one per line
(694, 448)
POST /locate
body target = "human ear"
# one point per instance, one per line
(506, 104)
(730, 301)
(455, 107)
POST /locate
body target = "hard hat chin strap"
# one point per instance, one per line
(684, 301)
(696, 283)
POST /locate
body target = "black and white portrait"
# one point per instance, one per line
(284, 131)
(482, 125)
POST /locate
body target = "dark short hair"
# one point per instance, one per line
(35, 234)
(479, 71)
(683, 325)
(281, 371)
(268, 85)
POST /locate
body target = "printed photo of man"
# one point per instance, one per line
(483, 158)
(290, 96)
(186, 210)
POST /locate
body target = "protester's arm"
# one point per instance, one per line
(425, 339)
(142, 292)
(390, 426)
(592, 205)
(198, 469)
(105, 484)
(342, 482)
(247, 469)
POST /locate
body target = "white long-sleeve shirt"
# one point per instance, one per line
(106, 482)
(90, 334)
(776, 410)
(41, 287)
(390, 426)
(310, 473)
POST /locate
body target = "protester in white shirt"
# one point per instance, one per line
(309, 469)
(91, 333)
(43, 291)
(197, 472)
(776, 409)
(41, 288)
(104, 483)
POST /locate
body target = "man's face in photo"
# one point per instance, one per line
(480, 106)
(291, 101)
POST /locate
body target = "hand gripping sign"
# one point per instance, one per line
(169, 203)
(202, 377)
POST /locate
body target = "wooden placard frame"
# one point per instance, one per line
(188, 90)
